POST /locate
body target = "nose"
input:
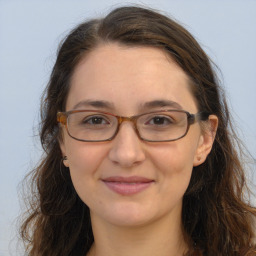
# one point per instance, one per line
(127, 149)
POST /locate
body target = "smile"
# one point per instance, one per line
(127, 185)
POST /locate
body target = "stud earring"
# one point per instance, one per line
(63, 165)
(64, 159)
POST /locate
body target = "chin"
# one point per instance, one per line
(127, 215)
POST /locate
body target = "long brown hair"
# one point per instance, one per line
(216, 217)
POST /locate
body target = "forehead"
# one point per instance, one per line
(127, 77)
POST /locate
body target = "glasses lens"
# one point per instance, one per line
(163, 126)
(158, 126)
(91, 126)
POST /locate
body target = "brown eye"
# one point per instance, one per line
(95, 120)
(160, 120)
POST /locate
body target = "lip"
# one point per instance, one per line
(127, 185)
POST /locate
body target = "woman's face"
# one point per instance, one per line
(110, 176)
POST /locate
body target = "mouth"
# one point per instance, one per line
(127, 185)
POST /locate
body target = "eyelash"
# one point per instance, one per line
(165, 118)
(88, 120)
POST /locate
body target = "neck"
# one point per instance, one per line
(162, 237)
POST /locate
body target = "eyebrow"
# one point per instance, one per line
(102, 104)
(94, 103)
(162, 103)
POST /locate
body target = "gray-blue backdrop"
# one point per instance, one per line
(29, 34)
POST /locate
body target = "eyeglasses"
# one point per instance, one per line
(158, 126)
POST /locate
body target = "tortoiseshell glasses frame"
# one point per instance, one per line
(156, 126)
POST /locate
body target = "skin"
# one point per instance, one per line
(148, 222)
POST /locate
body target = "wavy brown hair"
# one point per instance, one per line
(216, 217)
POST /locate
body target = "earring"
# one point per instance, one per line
(63, 165)
(65, 158)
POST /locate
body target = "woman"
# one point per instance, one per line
(139, 155)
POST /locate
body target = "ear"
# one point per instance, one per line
(206, 140)
(63, 151)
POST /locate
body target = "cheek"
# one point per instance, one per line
(84, 156)
(174, 155)
(84, 160)
(174, 163)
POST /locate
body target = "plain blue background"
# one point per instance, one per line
(29, 35)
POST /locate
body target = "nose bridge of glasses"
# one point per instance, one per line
(122, 119)
(132, 119)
